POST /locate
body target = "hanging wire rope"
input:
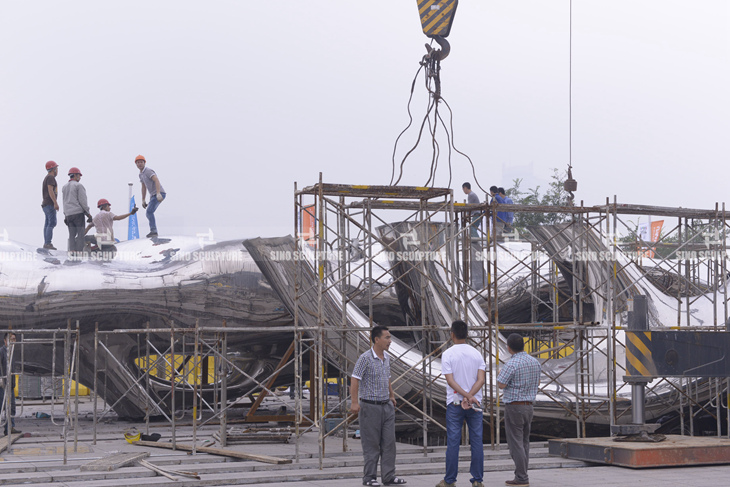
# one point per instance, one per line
(431, 66)
(570, 185)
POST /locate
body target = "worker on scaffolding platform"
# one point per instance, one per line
(501, 215)
(509, 215)
(476, 216)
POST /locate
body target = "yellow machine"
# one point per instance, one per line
(436, 19)
(437, 16)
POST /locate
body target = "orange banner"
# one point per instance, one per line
(308, 222)
(656, 230)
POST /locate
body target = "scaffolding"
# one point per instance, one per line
(572, 286)
(64, 345)
(565, 286)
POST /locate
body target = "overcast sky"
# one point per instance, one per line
(231, 102)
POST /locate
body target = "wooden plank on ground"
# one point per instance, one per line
(4, 440)
(113, 462)
(217, 451)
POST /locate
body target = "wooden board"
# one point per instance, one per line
(675, 451)
(217, 451)
(113, 462)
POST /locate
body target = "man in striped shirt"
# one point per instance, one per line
(374, 400)
(520, 379)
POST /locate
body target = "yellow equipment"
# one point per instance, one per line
(437, 16)
(436, 19)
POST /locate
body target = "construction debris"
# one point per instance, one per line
(238, 436)
(169, 473)
(114, 461)
(217, 451)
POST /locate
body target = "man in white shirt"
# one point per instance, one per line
(104, 224)
(465, 371)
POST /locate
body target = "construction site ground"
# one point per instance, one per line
(37, 460)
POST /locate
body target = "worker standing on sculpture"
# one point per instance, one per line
(50, 203)
(375, 402)
(75, 206)
(150, 183)
(104, 224)
(520, 379)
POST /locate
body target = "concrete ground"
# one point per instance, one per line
(577, 477)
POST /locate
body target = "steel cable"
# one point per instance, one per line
(433, 86)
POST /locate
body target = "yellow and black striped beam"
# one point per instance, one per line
(437, 16)
(639, 360)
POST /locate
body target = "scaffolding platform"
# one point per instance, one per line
(675, 451)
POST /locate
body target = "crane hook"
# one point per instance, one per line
(438, 54)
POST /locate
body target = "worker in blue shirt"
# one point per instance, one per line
(501, 215)
(510, 215)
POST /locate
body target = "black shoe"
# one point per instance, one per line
(15, 432)
(151, 234)
(49, 247)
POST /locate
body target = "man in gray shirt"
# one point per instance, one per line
(373, 399)
(75, 207)
(150, 182)
(476, 268)
(472, 199)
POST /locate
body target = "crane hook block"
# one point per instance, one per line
(437, 16)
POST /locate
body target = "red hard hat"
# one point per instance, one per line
(50, 165)
(140, 158)
(102, 202)
(74, 170)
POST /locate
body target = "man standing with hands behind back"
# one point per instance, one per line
(150, 182)
(375, 401)
(465, 372)
(520, 379)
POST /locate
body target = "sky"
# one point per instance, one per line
(232, 102)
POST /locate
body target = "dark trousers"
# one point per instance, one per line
(377, 437)
(455, 418)
(76, 226)
(49, 224)
(517, 421)
(4, 407)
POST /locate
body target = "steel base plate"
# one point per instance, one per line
(674, 451)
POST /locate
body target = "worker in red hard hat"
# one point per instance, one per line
(50, 203)
(104, 224)
(75, 207)
(150, 182)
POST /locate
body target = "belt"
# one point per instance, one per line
(378, 403)
(520, 403)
